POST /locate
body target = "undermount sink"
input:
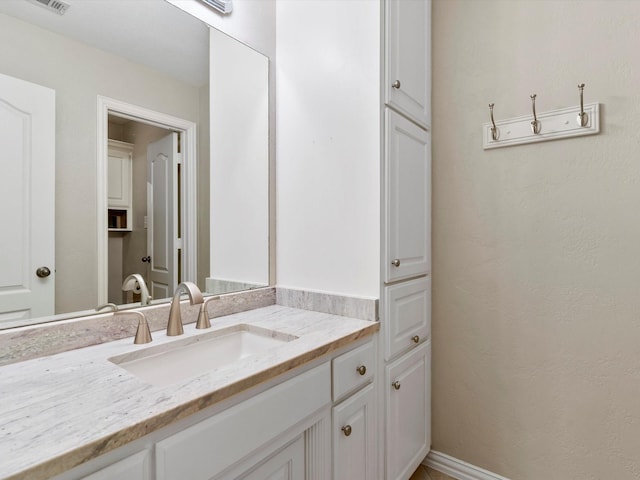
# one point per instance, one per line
(179, 360)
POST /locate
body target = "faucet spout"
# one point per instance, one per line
(174, 327)
(136, 283)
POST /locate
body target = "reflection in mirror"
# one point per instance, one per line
(105, 49)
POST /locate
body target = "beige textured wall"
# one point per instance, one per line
(536, 293)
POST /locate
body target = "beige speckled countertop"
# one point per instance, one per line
(59, 411)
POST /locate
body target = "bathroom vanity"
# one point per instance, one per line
(87, 413)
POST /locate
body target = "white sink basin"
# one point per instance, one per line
(189, 357)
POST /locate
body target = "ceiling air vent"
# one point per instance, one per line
(53, 5)
(223, 6)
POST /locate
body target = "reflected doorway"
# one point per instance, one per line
(149, 201)
(143, 208)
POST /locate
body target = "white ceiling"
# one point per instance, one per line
(151, 32)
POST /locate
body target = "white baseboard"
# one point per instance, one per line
(457, 468)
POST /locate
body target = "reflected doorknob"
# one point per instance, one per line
(43, 272)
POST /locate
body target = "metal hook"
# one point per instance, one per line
(583, 118)
(494, 129)
(535, 124)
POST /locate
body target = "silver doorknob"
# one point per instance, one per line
(346, 430)
(396, 385)
(396, 262)
(43, 272)
(396, 84)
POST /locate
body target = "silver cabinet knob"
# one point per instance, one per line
(396, 385)
(43, 272)
(396, 262)
(396, 84)
(362, 369)
(416, 339)
(346, 430)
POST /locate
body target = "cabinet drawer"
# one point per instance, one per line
(352, 370)
(135, 467)
(407, 315)
(206, 449)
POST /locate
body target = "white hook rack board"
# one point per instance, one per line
(555, 124)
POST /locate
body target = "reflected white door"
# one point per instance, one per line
(27, 243)
(163, 235)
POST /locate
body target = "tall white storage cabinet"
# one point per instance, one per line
(353, 200)
(406, 239)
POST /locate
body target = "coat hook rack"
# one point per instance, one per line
(562, 123)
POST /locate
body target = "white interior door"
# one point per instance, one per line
(163, 236)
(27, 188)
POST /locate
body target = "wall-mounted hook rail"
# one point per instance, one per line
(494, 130)
(583, 118)
(557, 124)
(535, 124)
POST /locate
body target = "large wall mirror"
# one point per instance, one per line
(136, 139)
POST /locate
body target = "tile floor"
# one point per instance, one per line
(426, 473)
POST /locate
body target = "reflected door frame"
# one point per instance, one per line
(188, 207)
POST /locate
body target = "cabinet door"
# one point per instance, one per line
(354, 437)
(408, 58)
(408, 199)
(407, 316)
(287, 464)
(120, 172)
(408, 419)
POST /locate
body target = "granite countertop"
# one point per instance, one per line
(59, 411)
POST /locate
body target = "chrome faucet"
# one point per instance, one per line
(135, 283)
(174, 327)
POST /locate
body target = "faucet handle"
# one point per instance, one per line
(143, 333)
(203, 316)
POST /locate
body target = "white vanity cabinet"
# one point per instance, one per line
(408, 58)
(292, 430)
(354, 422)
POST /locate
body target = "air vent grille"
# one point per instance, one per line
(223, 6)
(54, 5)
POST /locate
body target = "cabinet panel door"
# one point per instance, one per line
(408, 199)
(120, 171)
(354, 437)
(408, 419)
(407, 318)
(287, 464)
(408, 58)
